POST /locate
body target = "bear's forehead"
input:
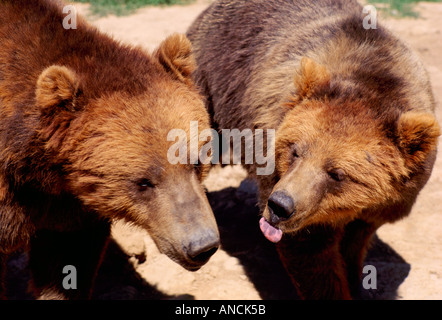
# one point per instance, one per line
(152, 112)
(339, 138)
(347, 147)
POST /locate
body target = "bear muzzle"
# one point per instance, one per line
(281, 206)
(202, 247)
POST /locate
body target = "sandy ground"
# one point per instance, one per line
(407, 254)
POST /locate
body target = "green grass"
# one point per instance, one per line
(400, 8)
(124, 7)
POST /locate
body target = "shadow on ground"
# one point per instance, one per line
(238, 216)
(116, 280)
(391, 271)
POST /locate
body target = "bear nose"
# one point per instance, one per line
(202, 248)
(280, 205)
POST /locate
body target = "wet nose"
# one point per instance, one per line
(281, 205)
(202, 248)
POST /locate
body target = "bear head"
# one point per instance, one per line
(112, 151)
(337, 160)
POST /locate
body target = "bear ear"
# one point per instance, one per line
(175, 55)
(56, 95)
(57, 86)
(417, 136)
(311, 79)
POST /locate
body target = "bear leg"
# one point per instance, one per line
(354, 245)
(64, 264)
(313, 261)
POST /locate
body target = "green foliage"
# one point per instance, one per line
(124, 7)
(400, 8)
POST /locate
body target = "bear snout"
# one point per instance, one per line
(281, 206)
(202, 247)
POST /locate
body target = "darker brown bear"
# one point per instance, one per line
(354, 117)
(83, 141)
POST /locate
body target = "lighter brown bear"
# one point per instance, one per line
(83, 141)
(353, 112)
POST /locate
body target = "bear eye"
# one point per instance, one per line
(337, 174)
(144, 184)
(295, 151)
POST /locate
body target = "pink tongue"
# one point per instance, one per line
(271, 233)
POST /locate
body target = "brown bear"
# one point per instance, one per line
(84, 122)
(353, 112)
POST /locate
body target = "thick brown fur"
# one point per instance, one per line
(83, 139)
(353, 112)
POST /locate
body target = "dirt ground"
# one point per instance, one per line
(407, 255)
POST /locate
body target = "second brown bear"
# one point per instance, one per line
(354, 117)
